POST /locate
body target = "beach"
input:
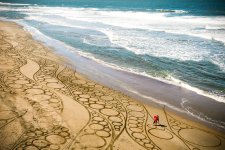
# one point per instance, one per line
(47, 104)
(163, 54)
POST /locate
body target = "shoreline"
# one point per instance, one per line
(171, 81)
(32, 73)
(146, 89)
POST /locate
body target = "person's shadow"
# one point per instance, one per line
(161, 125)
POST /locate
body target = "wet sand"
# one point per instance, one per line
(45, 104)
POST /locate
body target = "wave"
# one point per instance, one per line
(145, 45)
(172, 11)
(53, 22)
(168, 80)
(14, 4)
(187, 25)
(215, 27)
(140, 43)
(185, 85)
(115, 24)
(200, 116)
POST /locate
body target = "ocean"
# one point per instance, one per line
(180, 42)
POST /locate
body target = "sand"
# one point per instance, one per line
(45, 104)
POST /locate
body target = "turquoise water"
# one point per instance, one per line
(195, 7)
(180, 41)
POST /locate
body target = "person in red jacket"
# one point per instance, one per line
(156, 119)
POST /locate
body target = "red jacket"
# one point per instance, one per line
(156, 118)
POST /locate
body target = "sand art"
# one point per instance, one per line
(47, 105)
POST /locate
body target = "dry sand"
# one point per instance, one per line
(47, 105)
